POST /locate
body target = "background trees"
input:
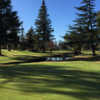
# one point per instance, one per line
(74, 38)
(83, 34)
(30, 39)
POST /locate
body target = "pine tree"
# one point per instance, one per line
(14, 25)
(9, 23)
(87, 19)
(43, 28)
(74, 38)
(30, 39)
(5, 5)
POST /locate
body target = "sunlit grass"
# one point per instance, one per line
(67, 80)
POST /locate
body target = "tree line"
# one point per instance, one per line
(83, 34)
(12, 33)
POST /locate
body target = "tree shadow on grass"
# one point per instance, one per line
(25, 59)
(95, 58)
(59, 80)
(81, 57)
(71, 57)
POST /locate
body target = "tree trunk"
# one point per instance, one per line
(78, 50)
(93, 46)
(43, 50)
(93, 50)
(9, 47)
(44, 47)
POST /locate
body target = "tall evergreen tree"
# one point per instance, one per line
(5, 6)
(43, 28)
(14, 26)
(9, 23)
(87, 17)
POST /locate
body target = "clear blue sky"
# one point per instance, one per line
(62, 13)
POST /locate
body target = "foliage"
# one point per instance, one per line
(75, 38)
(43, 28)
(30, 41)
(87, 16)
(9, 24)
(84, 31)
(98, 20)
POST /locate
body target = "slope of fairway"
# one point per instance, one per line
(70, 80)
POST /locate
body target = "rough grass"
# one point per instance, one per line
(78, 79)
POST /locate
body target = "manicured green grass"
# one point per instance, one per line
(70, 80)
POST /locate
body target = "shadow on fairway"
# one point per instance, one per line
(95, 58)
(52, 80)
(25, 59)
(71, 57)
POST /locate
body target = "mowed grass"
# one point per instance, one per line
(68, 80)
